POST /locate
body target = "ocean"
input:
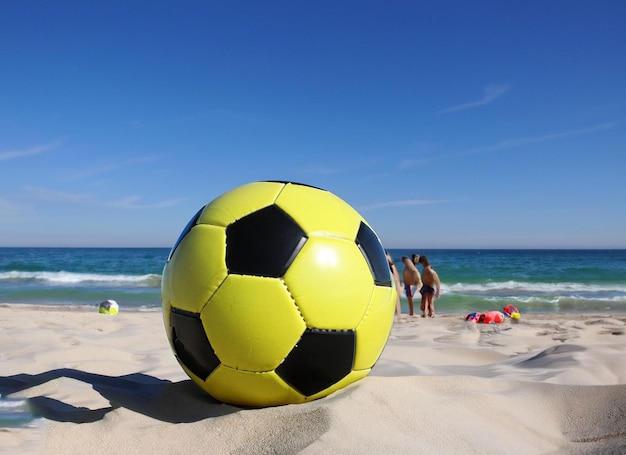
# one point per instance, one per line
(472, 280)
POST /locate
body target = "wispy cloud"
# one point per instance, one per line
(520, 141)
(57, 196)
(90, 172)
(133, 202)
(491, 93)
(398, 203)
(128, 202)
(36, 150)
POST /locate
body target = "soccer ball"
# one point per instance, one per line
(277, 293)
(108, 307)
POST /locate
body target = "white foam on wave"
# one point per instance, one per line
(15, 413)
(12, 403)
(519, 287)
(72, 278)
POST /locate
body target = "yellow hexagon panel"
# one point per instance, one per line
(319, 211)
(353, 376)
(331, 283)
(373, 331)
(240, 202)
(196, 269)
(249, 389)
(252, 322)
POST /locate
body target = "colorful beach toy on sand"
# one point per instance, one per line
(474, 317)
(489, 317)
(512, 312)
(493, 317)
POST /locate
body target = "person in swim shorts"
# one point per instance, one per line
(430, 289)
(412, 280)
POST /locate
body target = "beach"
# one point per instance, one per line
(104, 384)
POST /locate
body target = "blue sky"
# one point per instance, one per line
(447, 124)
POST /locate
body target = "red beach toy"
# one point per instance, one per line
(511, 312)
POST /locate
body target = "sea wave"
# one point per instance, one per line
(12, 403)
(521, 288)
(14, 412)
(63, 278)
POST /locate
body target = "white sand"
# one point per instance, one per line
(111, 385)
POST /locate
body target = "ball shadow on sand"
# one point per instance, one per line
(174, 402)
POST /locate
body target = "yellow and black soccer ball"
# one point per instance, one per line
(108, 307)
(277, 293)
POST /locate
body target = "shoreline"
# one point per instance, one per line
(93, 308)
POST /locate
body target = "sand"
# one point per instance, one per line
(110, 385)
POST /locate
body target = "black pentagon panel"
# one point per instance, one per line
(374, 254)
(319, 360)
(191, 344)
(263, 243)
(190, 225)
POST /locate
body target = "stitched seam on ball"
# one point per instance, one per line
(293, 299)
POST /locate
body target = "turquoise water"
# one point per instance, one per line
(14, 412)
(82, 276)
(532, 280)
(472, 280)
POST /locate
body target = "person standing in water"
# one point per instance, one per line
(411, 278)
(430, 289)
